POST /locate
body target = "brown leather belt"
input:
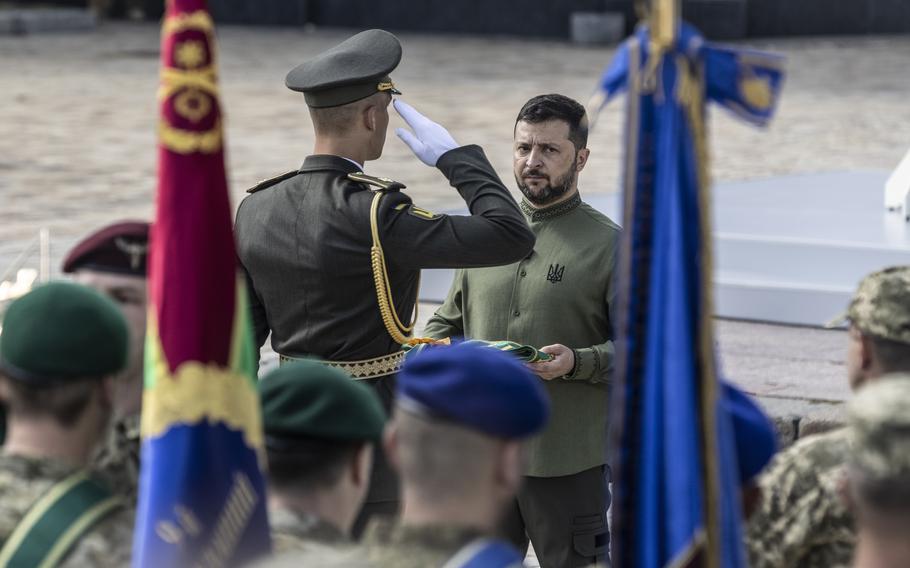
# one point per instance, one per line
(364, 369)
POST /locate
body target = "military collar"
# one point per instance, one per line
(322, 162)
(385, 532)
(552, 211)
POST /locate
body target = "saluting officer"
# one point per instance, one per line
(333, 256)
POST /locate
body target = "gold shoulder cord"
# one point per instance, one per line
(400, 333)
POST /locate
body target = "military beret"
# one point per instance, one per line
(307, 400)
(755, 436)
(881, 305)
(121, 248)
(62, 331)
(352, 70)
(476, 387)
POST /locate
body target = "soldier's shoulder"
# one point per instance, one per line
(273, 181)
(110, 543)
(598, 219)
(375, 182)
(813, 453)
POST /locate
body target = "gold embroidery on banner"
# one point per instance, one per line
(189, 54)
(187, 141)
(191, 86)
(756, 91)
(198, 20)
(193, 104)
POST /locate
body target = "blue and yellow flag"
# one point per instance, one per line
(201, 490)
(676, 500)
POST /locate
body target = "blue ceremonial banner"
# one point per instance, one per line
(676, 493)
(201, 486)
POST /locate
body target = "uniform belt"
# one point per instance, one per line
(363, 369)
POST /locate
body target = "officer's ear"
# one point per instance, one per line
(390, 444)
(362, 464)
(509, 465)
(370, 117)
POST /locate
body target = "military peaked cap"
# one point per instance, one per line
(307, 400)
(121, 248)
(352, 70)
(475, 387)
(881, 305)
(62, 331)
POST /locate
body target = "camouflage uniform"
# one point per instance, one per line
(117, 461)
(801, 521)
(24, 480)
(390, 545)
(879, 422)
(293, 531)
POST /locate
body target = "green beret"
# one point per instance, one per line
(352, 70)
(306, 400)
(62, 331)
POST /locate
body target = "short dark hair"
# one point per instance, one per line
(64, 402)
(310, 464)
(557, 107)
(893, 356)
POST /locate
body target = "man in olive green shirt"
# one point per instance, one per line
(558, 298)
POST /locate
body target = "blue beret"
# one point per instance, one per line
(477, 387)
(756, 438)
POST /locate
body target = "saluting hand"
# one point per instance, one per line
(562, 363)
(429, 140)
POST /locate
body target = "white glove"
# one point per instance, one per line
(429, 140)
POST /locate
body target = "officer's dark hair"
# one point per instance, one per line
(543, 108)
(893, 356)
(64, 402)
(309, 464)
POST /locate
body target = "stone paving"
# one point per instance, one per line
(77, 150)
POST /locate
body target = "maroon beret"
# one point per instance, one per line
(121, 248)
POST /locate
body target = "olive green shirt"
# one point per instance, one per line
(562, 293)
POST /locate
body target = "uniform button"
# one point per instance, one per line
(516, 313)
(524, 273)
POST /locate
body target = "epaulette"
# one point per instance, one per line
(384, 184)
(266, 183)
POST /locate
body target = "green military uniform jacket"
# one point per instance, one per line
(23, 481)
(304, 242)
(117, 460)
(387, 544)
(563, 293)
(801, 521)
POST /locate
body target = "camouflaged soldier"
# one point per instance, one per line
(62, 344)
(321, 429)
(802, 521)
(113, 260)
(879, 474)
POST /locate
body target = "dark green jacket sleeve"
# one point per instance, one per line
(448, 321)
(495, 233)
(258, 320)
(595, 363)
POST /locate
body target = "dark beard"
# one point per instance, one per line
(549, 193)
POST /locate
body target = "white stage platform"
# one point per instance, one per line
(788, 250)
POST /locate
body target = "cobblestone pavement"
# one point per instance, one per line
(77, 115)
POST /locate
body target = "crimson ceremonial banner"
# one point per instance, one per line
(201, 491)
